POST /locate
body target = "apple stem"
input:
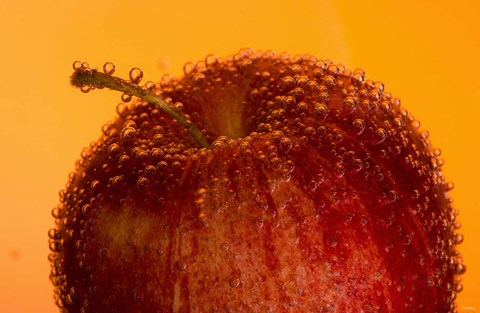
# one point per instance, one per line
(87, 78)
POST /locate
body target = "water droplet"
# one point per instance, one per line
(109, 68)
(136, 75)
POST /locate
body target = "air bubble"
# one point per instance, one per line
(142, 183)
(69, 299)
(407, 240)
(128, 133)
(54, 234)
(113, 148)
(149, 86)
(286, 145)
(189, 67)
(211, 59)
(178, 106)
(109, 68)
(136, 75)
(103, 253)
(180, 266)
(117, 181)
(332, 241)
(277, 135)
(357, 165)
(86, 210)
(56, 245)
(458, 239)
(85, 88)
(199, 78)
(122, 109)
(225, 246)
(77, 65)
(381, 135)
(138, 297)
(349, 104)
(330, 81)
(332, 70)
(126, 97)
(302, 107)
(218, 144)
(234, 282)
(276, 164)
(359, 126)
(320, 111)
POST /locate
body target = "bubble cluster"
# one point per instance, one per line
(297, 143)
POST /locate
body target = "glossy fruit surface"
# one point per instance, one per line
(319, 194)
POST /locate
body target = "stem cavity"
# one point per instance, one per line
(87, 79)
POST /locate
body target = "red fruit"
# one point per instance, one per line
(318, 194)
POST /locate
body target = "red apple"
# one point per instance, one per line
(271, 184)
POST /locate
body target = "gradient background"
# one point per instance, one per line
(426, 52)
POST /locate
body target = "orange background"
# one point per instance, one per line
(425, 51)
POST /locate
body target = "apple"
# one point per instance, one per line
(258, 182)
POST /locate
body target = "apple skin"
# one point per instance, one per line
(320, 194)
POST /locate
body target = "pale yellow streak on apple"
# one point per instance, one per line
(364, 257)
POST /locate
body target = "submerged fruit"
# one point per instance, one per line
(288, 184)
